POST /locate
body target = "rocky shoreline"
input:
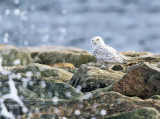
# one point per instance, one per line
(66, 82)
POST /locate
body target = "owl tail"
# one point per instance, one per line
(128, 60)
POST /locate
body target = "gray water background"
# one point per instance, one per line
(124, 24)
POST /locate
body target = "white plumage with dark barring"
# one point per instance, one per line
(106, 54)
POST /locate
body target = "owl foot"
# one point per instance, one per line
(103, 67)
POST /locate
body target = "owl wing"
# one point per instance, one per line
(108, 54)
(117, 56)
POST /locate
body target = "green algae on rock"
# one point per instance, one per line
(142, 113)
(32, 91)
(59, 90)
(44, 71)
(109, 102)
(97, 92)
(137, 54)
(89, 77)
(12, 56)
(31, 87)
(49, 89)
(52, 55)
(155, 97)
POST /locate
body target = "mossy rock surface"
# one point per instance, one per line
(58, 90)
(137, 54)
(155, 97)
(12, 56)
(41, 70)
(144, 113)
(97, 92)
(32, 87)
(103, 106)
(52, 55)
(106, 93)
(90, 77)
(37, 93)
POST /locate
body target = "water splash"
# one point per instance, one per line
(13, 94)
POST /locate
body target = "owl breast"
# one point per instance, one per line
(101, 55)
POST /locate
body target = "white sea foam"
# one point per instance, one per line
(13, 94)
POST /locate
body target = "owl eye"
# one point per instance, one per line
(97, 39)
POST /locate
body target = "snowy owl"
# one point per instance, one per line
(105, 54)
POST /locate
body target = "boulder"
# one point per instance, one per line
(31, 87)
(143, 113)
(141, 80)
(144, 58)
(34, 93)
(136, 54)
(41, 70)
(156, 97)
(147, 58)
(103, 106)
(138, 57)
(66, 66)
(158, 64)
(54, 89)
(52, 55)
(97, 92)
(50, 90)
(11, 56)
(89, 77)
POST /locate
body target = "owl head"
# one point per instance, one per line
(96, 41)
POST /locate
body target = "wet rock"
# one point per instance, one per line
(12, 56)
(143, 113)
(118, 67)
(97, 92)
(51, 90)
(150, 59)
(138, 57)
(31, 87)
(66, 66)
(63, 65)
(89, 77)
(158, 65)
(52, 55)
(36, 93)
(156, 97)
(137, 54)
(141, 80)
(41, 70)
(144, 58)
(29, 94)
(46, 89)
(102, 106)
